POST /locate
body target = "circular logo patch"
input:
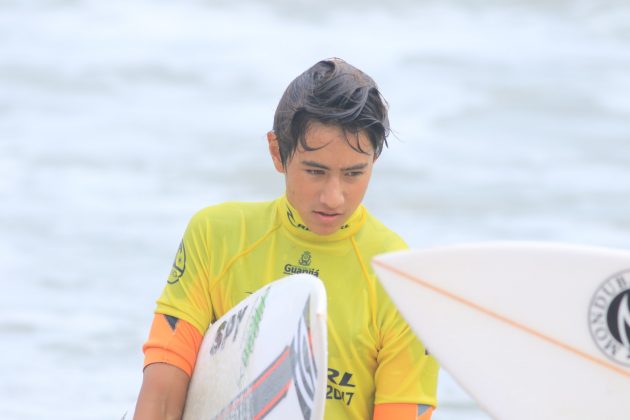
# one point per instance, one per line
(179, 265)
(609, 317)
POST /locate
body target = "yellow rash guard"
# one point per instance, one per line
(233, 249)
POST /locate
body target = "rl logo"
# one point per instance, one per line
(333, 392)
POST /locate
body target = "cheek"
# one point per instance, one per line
(359, 190)
(295, 185)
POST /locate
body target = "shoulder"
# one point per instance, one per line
(233, 214)
(225, 229)
(378, 237)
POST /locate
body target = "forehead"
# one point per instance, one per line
(320, 136)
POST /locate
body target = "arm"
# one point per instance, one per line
(170, 355)
(171, 349)
(406, 375)
(163, 393)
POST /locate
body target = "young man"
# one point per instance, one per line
(329, 128)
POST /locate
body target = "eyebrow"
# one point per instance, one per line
(320, 166)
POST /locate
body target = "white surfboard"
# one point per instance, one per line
(530, 330)
(266, 357)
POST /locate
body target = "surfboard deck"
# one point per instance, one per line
(530, 330)
(266, 357)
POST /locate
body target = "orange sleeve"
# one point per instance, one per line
(173, 341)
(402, 411)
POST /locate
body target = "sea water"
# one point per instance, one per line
(120, 119)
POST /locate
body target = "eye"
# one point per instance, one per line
(353, 174)
(315, 171)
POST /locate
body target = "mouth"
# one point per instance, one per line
(327, 216)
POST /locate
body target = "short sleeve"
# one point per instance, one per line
(186, 293)
(406, 372)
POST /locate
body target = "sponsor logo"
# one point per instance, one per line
(305, 259)
(609, 317)
(179, 265)
(252, 330)
(303, 266)
(294, 366)
(291, 219)
(239, 331)
(228, 329)
(340, 386)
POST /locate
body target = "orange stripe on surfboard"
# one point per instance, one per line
(499, 317)
(259, 381)
(271, 404)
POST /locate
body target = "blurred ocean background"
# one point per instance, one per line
(120, 119)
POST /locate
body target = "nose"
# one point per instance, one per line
(332, 195)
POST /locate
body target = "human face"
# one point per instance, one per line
(326, 185)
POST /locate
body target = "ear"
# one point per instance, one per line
(274, 150)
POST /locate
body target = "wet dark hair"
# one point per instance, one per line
(331, 92)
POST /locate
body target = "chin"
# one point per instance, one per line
(326, 231)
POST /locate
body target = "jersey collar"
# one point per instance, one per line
(292, 221)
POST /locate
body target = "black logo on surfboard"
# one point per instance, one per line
(609, 317)
(294, 367)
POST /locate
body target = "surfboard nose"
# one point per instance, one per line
(522, 324)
